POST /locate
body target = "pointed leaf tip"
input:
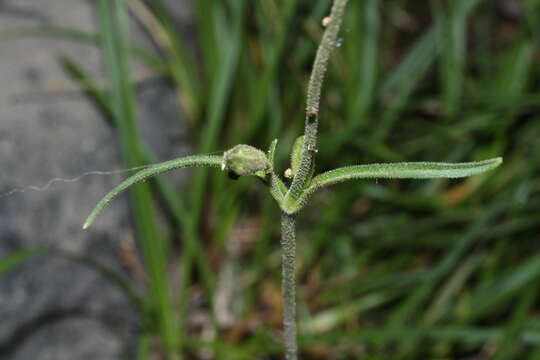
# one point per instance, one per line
(405, 170)
(195, 160)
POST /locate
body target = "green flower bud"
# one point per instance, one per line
(243, 160)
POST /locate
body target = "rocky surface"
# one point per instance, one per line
(51, 308)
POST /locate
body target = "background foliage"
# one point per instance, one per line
(441, 269)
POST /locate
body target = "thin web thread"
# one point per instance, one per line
(51, 182)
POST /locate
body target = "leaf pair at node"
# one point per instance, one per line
(246, 160)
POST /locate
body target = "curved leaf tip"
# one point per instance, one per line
(195, 160)
(404, 170)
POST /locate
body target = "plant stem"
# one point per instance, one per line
(328, 43)
(288, 256)
(288, 224)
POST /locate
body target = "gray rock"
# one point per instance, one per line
(52, 308)
(56, 342)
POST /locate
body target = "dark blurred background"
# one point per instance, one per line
(187, 266)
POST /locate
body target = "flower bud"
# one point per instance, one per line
(288, 173)
(243, 160)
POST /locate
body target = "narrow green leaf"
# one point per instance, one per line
(195, 160)
(405, 170)
(277, 188)
(272, 152)
(296, 154)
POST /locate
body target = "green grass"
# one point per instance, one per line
(443, 269)
(113, 20)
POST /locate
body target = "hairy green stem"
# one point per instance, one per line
(288, 256)
(328, 43)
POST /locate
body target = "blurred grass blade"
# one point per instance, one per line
(453, 43)
(399, 86)
(442, 301)
(518, 323)
(467, 335)
(12, 260)
(416, 299)
(206, 24)
(489, 297)
(182, 65)
(82, 37)
(514, 73)
(195, 160)
(51, 31)
(533, 18)
(113, 20)
(328, 320)
(144, 346)
(219, 96)
(98, 95)
(264, 83)
(417, 60)
(369, 68)
(172, 200)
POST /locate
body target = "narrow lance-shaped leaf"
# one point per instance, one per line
(296, 155)
(195, 160)
(406, 170)
(272, 152)
(277, 188)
